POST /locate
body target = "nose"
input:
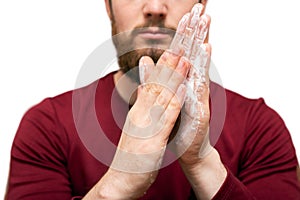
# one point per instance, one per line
(155, 10)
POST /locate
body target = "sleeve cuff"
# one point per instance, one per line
(232, 188)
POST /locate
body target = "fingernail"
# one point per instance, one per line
(142, 61)
(142, 70)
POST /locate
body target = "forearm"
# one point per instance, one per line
(119, 185)
(207, 176)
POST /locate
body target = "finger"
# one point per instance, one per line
(198, 74)
(176, 45)
(197, 105)
(173, 110)
(171, 98)
(191, 29)
(180, 73)
(177, 78)
(176, 102)
(204, 66)
(203, 27)
(174, 90)
(200, 66)
(186, 29)
(159, 77)
(200, 36)
(168, 59)
(198, 84)
(164, 68)
(146, 67)
(201, 84)
(147, 92)
(195, 16)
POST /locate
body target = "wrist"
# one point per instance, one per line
(122, 185)
(207, 175)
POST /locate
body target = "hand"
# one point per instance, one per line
(192, 138)
(159, 101)
(199, 160)
(147, 128)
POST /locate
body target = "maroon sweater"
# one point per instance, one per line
(49, 158)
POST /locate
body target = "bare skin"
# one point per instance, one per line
(160, 99)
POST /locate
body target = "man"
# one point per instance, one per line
(252, 158)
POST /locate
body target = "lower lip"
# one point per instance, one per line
(154, 36)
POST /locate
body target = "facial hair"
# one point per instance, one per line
(129, 51)
(129, 55)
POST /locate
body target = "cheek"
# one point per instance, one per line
(175, 14)
(173, 19)
(125, 21)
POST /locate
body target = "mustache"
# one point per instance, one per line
(151, 23)
(149, 26)
(124, 41)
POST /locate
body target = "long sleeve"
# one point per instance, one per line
(38, 168)
(267, 164)
(257, 151)
(49, 159)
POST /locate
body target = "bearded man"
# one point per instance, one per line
(158, 128)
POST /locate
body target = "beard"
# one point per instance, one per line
(130, 50)
(129, 61)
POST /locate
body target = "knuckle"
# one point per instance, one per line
(153, 89)
(162, 100)
(175, 104)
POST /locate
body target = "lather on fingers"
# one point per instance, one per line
(183, 39)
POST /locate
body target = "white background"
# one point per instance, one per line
(44, 43)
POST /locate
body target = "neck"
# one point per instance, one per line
(126, 87)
